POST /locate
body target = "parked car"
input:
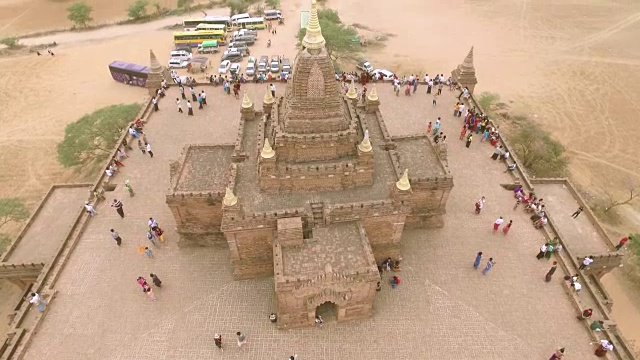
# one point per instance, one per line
(272, 14)
(245, 32)
(286, 66)
(250, 40)
(181, 54)
(237, 44)
(365, 66)
(263, 64)
(275, 64)
(232, 56)
(235, 69)
(386, 74)
(251, 69)
(242, 50)
(224, 67)
(176, 63)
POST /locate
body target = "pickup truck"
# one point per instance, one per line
(365, 66)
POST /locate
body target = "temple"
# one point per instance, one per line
(314, 192)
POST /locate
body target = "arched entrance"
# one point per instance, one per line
(328, 311)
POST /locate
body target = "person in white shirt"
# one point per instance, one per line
(179, 104)
(460, 110)
(426, 78)
(36, 300)
(109, 172)
(496, 225)
(89, 207)
(273, 90)
(204, 97)
(576, 286)
(586, 262)
(149, 149)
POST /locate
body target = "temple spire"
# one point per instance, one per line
(267, 151)
(404, 184)
(373, 94)
(229, 198)
(155, 66)
(352, 94)
(246, 102)
(468, 61)
(365, 145)
(313, 38)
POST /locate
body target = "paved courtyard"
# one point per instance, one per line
(443, 309)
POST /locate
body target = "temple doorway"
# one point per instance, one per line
(328, 311)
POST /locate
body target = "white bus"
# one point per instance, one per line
(235, 18)
(272, 14)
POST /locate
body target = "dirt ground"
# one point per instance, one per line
(571, 66)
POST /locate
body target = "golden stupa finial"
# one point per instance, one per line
(246, 102)
(404, 184)
(373, 94)
(268, 97)
(365, 145)
(229, 198)
(313, 38)
(352, 94)
(267, 152)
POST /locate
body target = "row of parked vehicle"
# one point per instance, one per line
(262, 66)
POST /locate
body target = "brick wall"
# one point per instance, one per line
(198, 218)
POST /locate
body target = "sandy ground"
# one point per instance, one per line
(571, 66)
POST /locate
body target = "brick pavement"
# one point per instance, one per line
(443, 309)
(50, 227)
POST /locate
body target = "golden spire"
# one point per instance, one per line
(365, 145)
(267, 152)
(404, 184)
(373, 94)
(352, 94)
(313, 38)
(229, 198)
(268, 97)
(246, 102)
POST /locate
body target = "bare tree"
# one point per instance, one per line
(613, 202)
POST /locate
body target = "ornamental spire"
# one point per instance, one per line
(313, 38)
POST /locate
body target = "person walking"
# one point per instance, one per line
(194, 98)
(203, 95)
(586, 262)
(189, 108)
(217, 339)
(551, 271)
(577, 212)
(152, 223)
(558, 355)
(543, 251)
(159, 233)
(272, 88)
(489, 266)
(497, 223)
(149, 291)
(89, 208)
(156, 280)
(148, 252)
(129, 188)
(117, 204)
(479, 205)
(476, 263)
(179, 104)
(154, 101)
(149, 150)
(151, 237)
(469, 139)
(622, 242)
(200, 102)
(36, 300)
(242, 339)
(507, 227)
(184, 97)
(429, 127)
(116, 237)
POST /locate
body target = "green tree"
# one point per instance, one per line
(339, 37)
(12, 210)
(185, 4)
(274, 4)
(541, 155)
(80, 14)
(238, 6)
(93, 136)
(138, 9)
(156, 5)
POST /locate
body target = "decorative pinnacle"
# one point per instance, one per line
(468, 61)
(352, 94)
(373, 94)
(268, 97)
(313, 38)
(404, 184)
(246, 102)
(365, 145)
(229, 198)
(267, 152)
(155, 66)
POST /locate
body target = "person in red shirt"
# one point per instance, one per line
(623, 241)
(586, 314)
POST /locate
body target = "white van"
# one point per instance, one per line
(235, 18)
(181, 54)
(272, 14)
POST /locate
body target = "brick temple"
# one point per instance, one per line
(314, 192)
